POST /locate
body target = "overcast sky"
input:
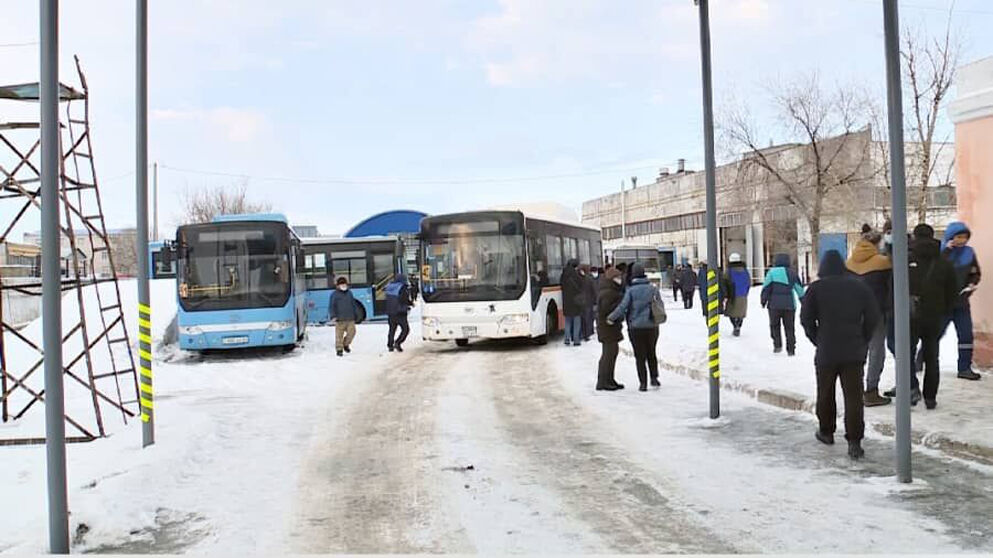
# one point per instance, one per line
(426, 105)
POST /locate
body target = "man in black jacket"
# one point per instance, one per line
(609, 335)
(839, 316)
(398, 304)
(573, 302)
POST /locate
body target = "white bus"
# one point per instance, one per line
(495, 274)
(647, 256)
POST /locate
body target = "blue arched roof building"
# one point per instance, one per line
(402, 221)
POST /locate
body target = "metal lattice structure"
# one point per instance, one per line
(100, 375)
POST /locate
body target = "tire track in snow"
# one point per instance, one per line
(621, 502)
(371, 485)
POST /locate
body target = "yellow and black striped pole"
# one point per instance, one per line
(713, 291)
(146, 394)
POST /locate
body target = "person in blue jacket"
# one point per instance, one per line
(780, 292)
(956, 250)
(636, 306)
(738, 281)
(398, 304)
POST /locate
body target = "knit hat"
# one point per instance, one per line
(924, 231)
(871, 235)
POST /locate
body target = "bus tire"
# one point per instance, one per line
(551, 324)
(462, 342)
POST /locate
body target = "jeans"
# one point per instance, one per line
(643, 341)
(876, 357)
(851, 389)
(398, 320)
(608, 359)
(573, 329)
(788, 320)
(962, 318)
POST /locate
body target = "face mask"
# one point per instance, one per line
(617, 281)
(888, 238)
(595, 274)
(342, 287)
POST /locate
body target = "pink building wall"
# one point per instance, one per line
(972, 112)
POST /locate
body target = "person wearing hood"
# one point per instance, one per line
(933, 293)
(687, 284)
(398, 304)
(573, 302)
(840, 316)
(590, 298)
(636, 307)
(610, 294)
(875, 270)
(956, 250)
(780, 292)
(738, 281)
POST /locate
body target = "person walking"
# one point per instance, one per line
(933, 293)
(780, 292)
(875, 270)
(676, 279)
(398, 304)
(687, 284)
(738, 282)
(343, 313)
(590, 298)
(573, 302)
(840, 317)
(636, 307)
(609, 334)
(963, 258)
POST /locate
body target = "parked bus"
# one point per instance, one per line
(239, 283)
(647, 256)
(495, 274)
(369, 264)
(161, 260)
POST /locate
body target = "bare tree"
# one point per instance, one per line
(929, 66)
(124, 247)
(201, 206)
(829, 149)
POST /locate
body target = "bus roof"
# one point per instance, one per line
(633, 247)
(355, 240)
(272, 217)
(527, 217)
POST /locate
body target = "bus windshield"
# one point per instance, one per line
(475, 260)
(233, 265)
(646, 257)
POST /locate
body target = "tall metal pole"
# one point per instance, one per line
(713, 319)
(51, 282)
(155, 201)
(146, 398)
(901, 285)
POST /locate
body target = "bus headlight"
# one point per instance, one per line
(276, 326)
(514, 320)
(431, 323)
(190, 330)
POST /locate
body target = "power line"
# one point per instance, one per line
(12, 45)
(388, 181)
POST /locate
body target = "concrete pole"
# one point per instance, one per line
(146, 399)
(901, 285)
(713, 319)
(51, 281)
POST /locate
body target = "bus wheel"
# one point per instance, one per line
(462, 342)
(551, 325)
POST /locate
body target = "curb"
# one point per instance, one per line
(793, 401)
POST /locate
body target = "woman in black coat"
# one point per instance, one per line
(609, 335)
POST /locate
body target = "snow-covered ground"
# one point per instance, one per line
(501, 447)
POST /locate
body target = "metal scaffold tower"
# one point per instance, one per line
(100, 376)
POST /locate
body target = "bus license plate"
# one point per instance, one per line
(469, 331)
(235, 340)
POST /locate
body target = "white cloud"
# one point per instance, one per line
(233, 124)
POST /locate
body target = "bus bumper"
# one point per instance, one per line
(191, 339)
(433, 329)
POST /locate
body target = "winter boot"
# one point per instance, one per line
(655, 382)
(737, 332)
(390, 349)
(824, 438)
(791, 352)
(347, 349)
(915, 397)
(618, 386)
(931, 404)
(969, 375)
(339, 353)
(855, 450)
(642, 387)
(890, 392)
(777, 350)
(399, 349)
(873, 399)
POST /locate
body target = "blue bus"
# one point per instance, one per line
(239, 283)
(161, 260)
(369, 264)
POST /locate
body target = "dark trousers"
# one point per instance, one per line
(398, 320)
(851, 389)
(588, 323)
(608, 359)
(688, 300)
(675, 292)
(962, 318)
(643, 342)
(737, 322)
(787, 319)
(928, 340)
